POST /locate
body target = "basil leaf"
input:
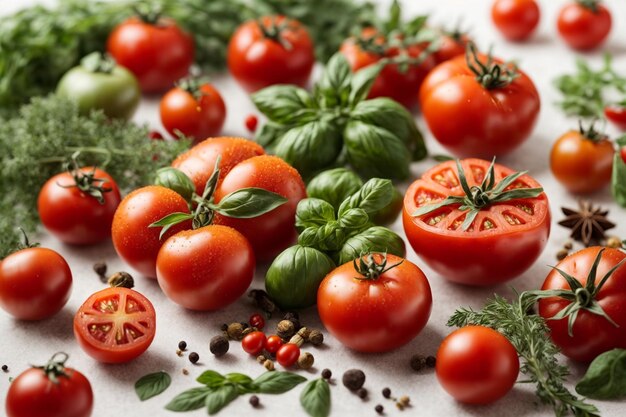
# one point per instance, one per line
(313, 212)
(285, 104)
(249, 202)
(270, 133)
(151, 385)
(606, 377)
(175, 180)
(334, 186)
(333, 88)
(238, 378)
(354, 219)
(276, 382)
(315, 398)
(375, 194)
(394, 117)
(374, 239)
(211, 379)
(310, 147)
(362, 82)
(220, 398)
(618, 181)
(329, 237)
(376, 152)
(169, 221)
(192, 399)
(294, 276)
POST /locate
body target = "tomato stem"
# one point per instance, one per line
(55, 367)
(369, 268)
(490, 75)
(590, 4)
(274, 31)
(86, 182)
(591, 133)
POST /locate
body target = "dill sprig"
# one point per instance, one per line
(35, 145)
(530, 336)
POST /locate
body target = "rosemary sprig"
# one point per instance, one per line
(529, 335)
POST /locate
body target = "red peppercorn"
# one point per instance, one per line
(257, 320)
(251, 123)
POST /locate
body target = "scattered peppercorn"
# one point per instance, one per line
(194, 357)
(305, 360)
(614, 242)
(254, 401)
(121, 279)
(285, 329)
(431, 361)
(362, 393)
(386, 392)
(269, 365)
(185, 372)
(293, 317)
(418, 362)
(235, 331)
(404, 400)
(219, 345)
(100, 268)
(244, 325)
(5, 368)
(179, 352)
(562, 254)
(568, 245)
(261, 359)
(263, 301)
(327, 373)
(224, 327)
(379, 409)
(182, 345)
(316, 338)
(353, 379)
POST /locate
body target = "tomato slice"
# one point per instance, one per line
(115, 325)
(503, 240)
(616, 114)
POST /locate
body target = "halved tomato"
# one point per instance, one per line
(502, 241)
(115, 325)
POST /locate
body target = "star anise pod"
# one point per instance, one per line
(588, 224)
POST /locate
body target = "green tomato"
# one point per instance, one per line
(390, 213)
(334, 186)
(294, 276)
(99, 84)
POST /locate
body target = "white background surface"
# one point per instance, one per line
(543, 58)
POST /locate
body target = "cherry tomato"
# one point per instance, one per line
(504, 240)
(50, 391)
(207, 268)
(515, 19)
(393, 82)
(376, 313)
(582, 163)
(489, 119)
(115, 325)
(273, 343)
(287, 355)
(476, 365)
(196, 111)
(135, 242)
(35, 283)
(158, 53)
(257, 320)
(198, 162)
(452, 44)
(271, 50)
(584, 25)
(251, 123)
(616, 114)
(254, 343)
(71, 214)
(270, 233)
(592, 334)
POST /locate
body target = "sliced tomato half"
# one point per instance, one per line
(502, 242)
(115, 325)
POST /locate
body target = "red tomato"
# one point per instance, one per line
(207, 268)
(592, 334)
(257, 320)
(510, 238)
(287, 355)
(135, 242)
(71, 214)
(584, 27)
(273, 343)
(487, 121)
(375, 314)
(402, 86)
(623, 153)
(35, 283)
(452, 44)
(582, 164)
(198, 118)
(251, 123)
(515, 19)
(158, 54)
(115, 325)
(477, 365)
(198, 162)
(270, 233)
(616, 114)
(271, 50)
(253, 343)
(36, 394)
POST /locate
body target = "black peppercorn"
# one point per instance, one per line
(418, 362)
(379, 409)
(254, 401)
(386, 392)
(224, 327)
(5, 368)
(219, 345)
(244, 325)
(431, 361)
(362, 393)
(182, 345)
(194, 357)
(291, 315)
(326, 373)
(100, 268)
(353, 379)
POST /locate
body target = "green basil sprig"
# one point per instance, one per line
(618, 181)
(311, 131)
(606, 377)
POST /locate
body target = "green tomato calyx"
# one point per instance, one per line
(370, 268)
(490, 75)
(98, 63)
(86, 182)
(55, 367)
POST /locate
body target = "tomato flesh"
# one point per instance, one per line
(504, 240)
(115, 325)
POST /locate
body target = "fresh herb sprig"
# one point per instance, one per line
(529, 335)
